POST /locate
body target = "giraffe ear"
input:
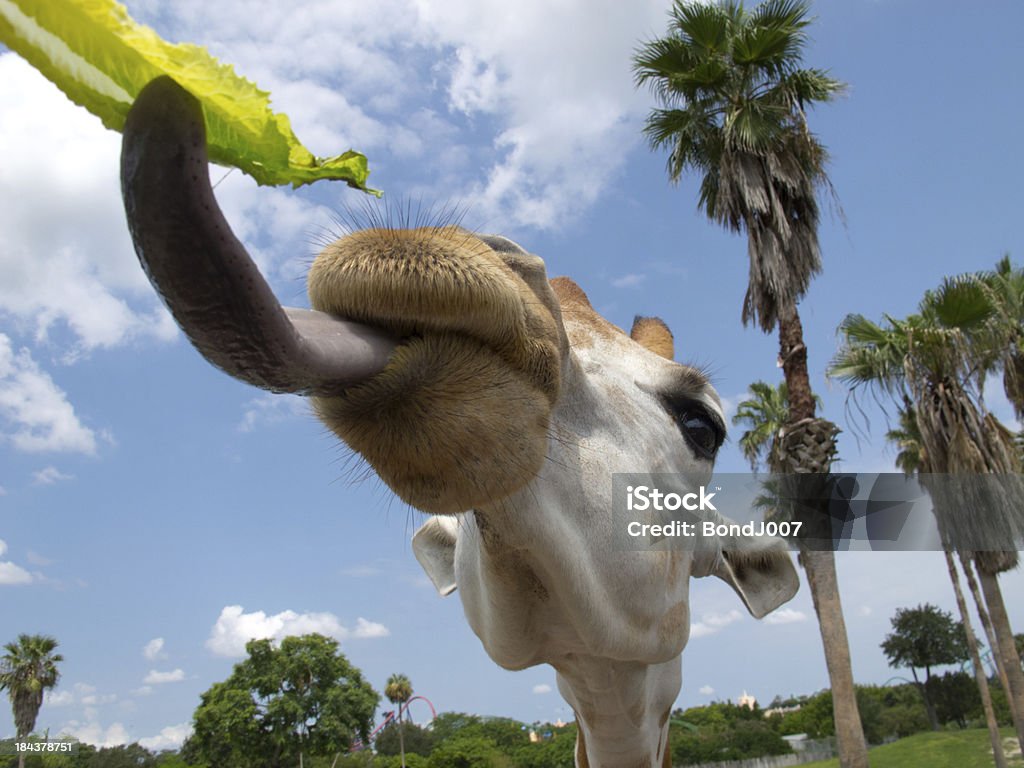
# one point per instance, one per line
(434, 546)
(652, 334)
(759, 569)
(764, 580)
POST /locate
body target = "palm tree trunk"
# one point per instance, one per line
(820, 566)
(967, 565)
(1006, 646)
(793, 356)
(401, 735)
(979, 670)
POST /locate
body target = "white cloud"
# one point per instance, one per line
(159, 678)
(11, 574)
(711, 623)
(49, 476)
(59, 698)
(785, 616)
(632, 280)
(234, 628)
(706, 690)
(154, 649)
(272, 409)
(95, 700)
(171, 737)
(67, 257)
(3, 491)
(36, 559)
(35, 414)
(144, 690)
(366, 630)
(864, 610)
(541, 111)
(362, 571)
(91, 732)
(542, 688)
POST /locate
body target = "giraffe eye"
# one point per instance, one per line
(702, 430)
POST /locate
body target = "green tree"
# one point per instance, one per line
(398, 691)
(412, 739)
(28, 669)
(507, 733)
(448, 724)
(556, 749)
(923, 638)
(468, 751)
(733, 95)
(282, 703)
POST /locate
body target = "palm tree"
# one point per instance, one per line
(1004, 291)
(732, 100)
(998, 346)
(764, 413)
(931, 362)
(398, 691)
(28, 668)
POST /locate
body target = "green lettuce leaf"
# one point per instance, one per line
(94, 52)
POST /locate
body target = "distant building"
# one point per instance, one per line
(781, 710)
(746, 700)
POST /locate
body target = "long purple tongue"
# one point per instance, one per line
(203, 273)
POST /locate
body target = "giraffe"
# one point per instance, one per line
(488, 396)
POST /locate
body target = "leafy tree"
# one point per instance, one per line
(412, 760)
(555, 751)
(412, 740)
(468, 751)
(923, 638)
(448, 724)
(301, 698)
(503, 731)
(732, 96)
(124, 756)
(28, 669)
(956, 698)
(723, 731)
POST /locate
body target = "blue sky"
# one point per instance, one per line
(154, 512)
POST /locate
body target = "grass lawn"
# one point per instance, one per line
(945, 749)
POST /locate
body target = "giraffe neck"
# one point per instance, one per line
(622, 710)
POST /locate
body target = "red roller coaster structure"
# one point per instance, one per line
(389, 717)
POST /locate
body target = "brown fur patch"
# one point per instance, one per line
(652, 334)
(583, 323)
(568, 292)
(459, 416)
